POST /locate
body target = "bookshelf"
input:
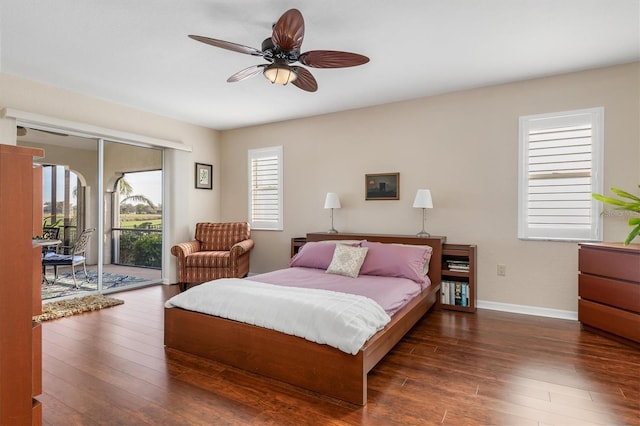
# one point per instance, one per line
(458, 286)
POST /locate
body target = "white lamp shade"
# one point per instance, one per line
(332, 201)
(423, 199)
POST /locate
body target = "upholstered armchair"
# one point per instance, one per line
(219, 250)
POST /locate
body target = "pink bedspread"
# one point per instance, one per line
(390, 293)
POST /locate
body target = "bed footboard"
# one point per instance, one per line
(291, 359)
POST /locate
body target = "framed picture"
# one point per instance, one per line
(382, 186)
(204, 176)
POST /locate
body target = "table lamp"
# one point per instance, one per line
(423, 201)
(332, 202)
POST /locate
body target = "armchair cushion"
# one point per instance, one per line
(208, 259)
(221, 236)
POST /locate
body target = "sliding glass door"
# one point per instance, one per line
(114, 188)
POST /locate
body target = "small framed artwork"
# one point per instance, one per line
(204, 176)
(382, 186)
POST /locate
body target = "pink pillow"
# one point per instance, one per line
(391, 260)
(315, 255)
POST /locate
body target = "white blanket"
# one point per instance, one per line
(341, 320)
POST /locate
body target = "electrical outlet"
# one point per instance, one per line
(502, 270)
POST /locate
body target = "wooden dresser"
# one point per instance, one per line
(609, 288)
(20, 299)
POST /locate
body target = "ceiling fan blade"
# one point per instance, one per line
(288, 32)
(246, 73)
(305, 80)
(227, 45)
(331, 59)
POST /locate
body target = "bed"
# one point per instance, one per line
(294, 360)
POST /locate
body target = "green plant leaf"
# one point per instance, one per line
(634, 233)
(624, 194)
(608, 200)
(631, 207)
(624, 205)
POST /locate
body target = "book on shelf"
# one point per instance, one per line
(454, 293)
(464, 297)
(458, 265)
(458, 268)
(458, 294)
(444, 292)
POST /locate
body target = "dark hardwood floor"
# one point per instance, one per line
(490, 368)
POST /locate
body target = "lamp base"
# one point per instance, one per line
(332, 231)
(423, 234)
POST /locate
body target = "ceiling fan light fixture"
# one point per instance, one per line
(279, 74)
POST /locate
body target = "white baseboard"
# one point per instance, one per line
(528, 310)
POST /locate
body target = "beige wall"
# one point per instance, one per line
(184, 205)
(464, 147)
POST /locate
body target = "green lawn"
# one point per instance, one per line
(133, 220)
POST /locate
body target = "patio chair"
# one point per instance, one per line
(50, 233)
(75, 258)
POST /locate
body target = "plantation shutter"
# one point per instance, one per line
(265, 188)
(559, 170)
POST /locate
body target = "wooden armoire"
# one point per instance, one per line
(20, 281)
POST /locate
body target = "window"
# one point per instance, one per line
(265, 188)
(560, 167)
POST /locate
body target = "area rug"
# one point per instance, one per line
(64, 284)
(69, 307)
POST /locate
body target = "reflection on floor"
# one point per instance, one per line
(114, 278)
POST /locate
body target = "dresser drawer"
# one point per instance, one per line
(619, 263)
(621, 294)
(612, 320)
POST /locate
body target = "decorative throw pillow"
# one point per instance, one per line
(391, 260)
(347, 260)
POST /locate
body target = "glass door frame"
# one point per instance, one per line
(175, 155)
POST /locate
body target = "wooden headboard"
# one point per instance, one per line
(435, 265)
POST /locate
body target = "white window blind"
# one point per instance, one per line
(265, 188)
(560, 167)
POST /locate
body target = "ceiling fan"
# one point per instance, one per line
(282, 50)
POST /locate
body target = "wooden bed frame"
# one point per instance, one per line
(294, 360)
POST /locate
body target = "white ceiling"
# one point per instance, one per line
(137, 53)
